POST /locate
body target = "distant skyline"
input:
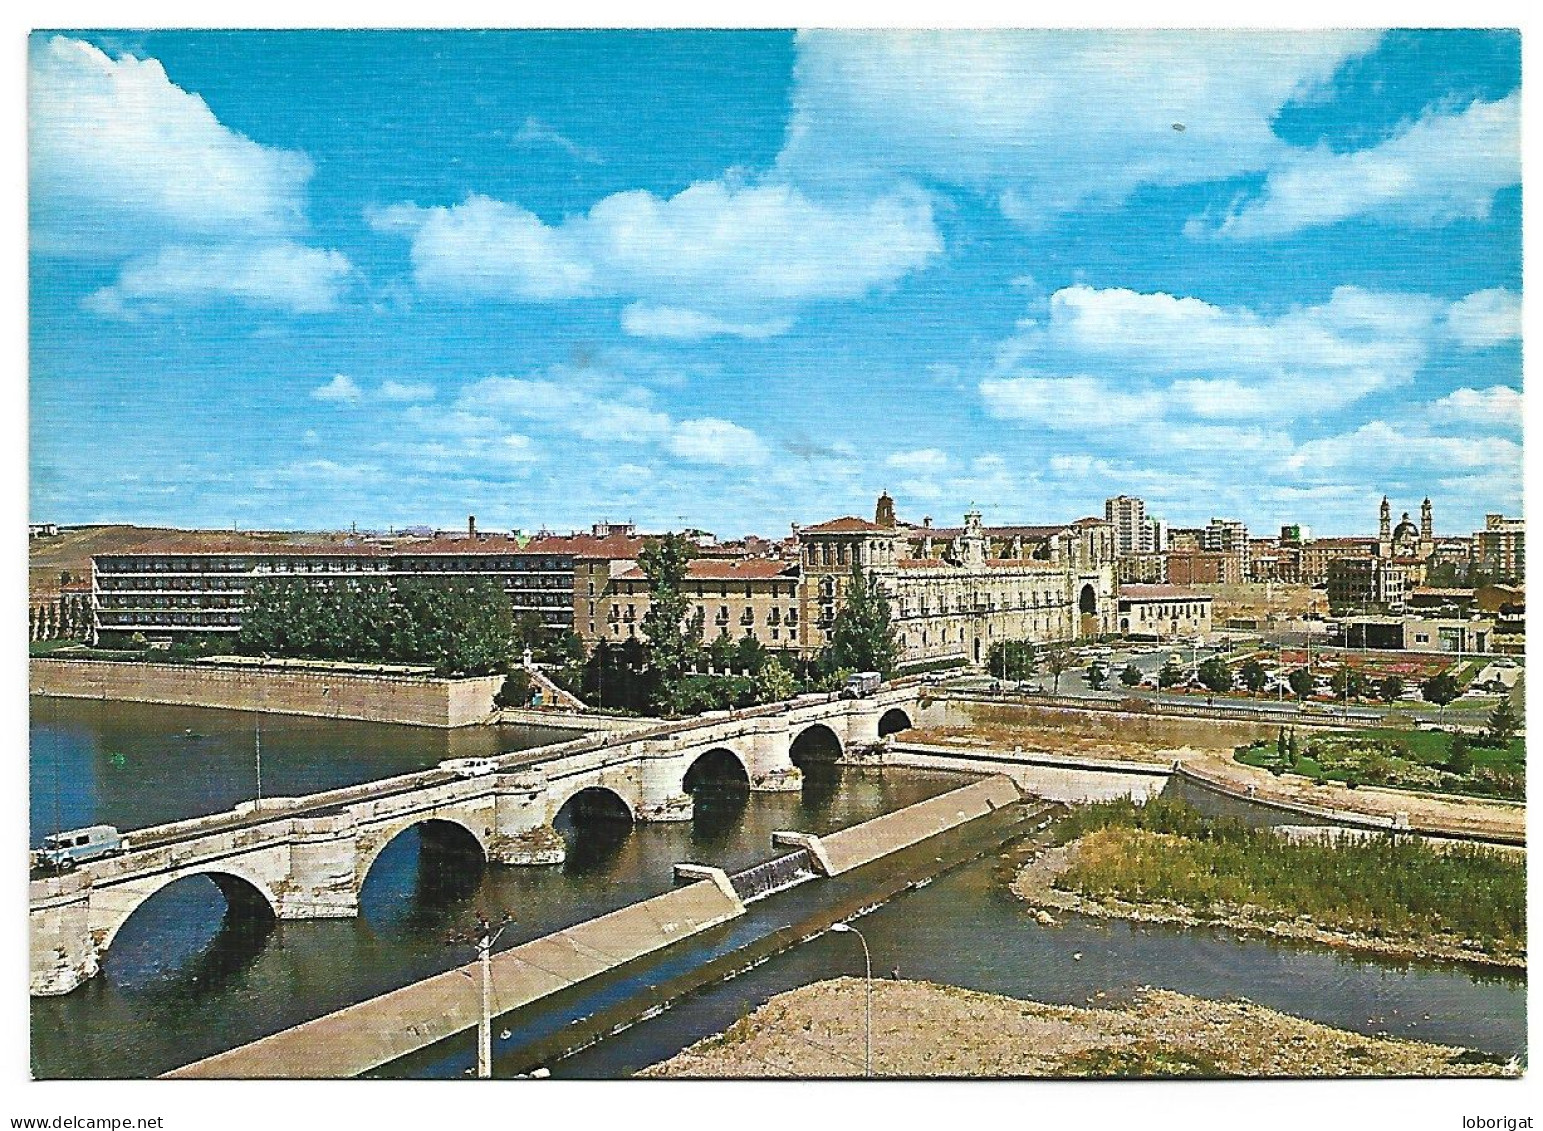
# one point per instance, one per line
(737, 280)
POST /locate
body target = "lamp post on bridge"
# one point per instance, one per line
(845, 929)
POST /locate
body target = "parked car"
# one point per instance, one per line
(64, 851)
(469, 767)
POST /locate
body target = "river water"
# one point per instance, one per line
(180, 983)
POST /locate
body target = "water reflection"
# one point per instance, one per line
(193, 935)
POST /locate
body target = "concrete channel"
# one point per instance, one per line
(373, 1033)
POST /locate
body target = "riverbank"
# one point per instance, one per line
(921, 1029)
(1036, 884)
(1467, 817)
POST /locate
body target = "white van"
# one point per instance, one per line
(79, 846)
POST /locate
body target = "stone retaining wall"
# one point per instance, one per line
(413, 700)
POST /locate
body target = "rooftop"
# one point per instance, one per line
(1160, 593)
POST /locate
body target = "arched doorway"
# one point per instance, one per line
(719, 786)
(595, 823)
(1087, 606)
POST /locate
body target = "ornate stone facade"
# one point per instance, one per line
(957, 591)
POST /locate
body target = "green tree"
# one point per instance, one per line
(515, 691)
(1057, 660)
(1459, 756)
(1301, 682)
(1098, 676)
(529, 631)
(1391, 689)
(1253, 676)
(1170, 675)
(1130, 675)
(1440, 689)
(863, 635)
(773, 682)
(722, 652)
(1348, 683)
(670, 644)
(1503, 724)
(1011, 659)
(1215, 674)
(750, 655)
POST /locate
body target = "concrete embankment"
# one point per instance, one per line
(372, 1033)
(1055, 777)
(1366, 807)
(368, 697)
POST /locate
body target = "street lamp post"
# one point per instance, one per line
(487, 936)
(845, 928)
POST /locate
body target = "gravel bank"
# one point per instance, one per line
(925, 1030)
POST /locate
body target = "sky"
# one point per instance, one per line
(729, 280)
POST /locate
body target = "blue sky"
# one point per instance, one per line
(738, 280)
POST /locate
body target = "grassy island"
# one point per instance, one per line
(1165, 861)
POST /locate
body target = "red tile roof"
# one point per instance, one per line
(849, 525)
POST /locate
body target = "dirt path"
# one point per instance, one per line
(1034, 884)
(921, 1029)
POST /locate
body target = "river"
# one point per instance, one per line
(179, 984)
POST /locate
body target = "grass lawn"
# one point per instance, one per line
(1408, 759)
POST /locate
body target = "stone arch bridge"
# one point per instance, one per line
(308, 857)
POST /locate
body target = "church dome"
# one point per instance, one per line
(1406, 530)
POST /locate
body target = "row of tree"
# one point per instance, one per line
(66, 618)
(458, 627)
(1346, 683)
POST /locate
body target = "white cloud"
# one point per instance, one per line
(485, 249)
(921, 459)
(406, 391)
(342, 389)
(1068, 404)
(709, 440)
(687, 325)
(589, 408)
(1050, 120)
(1182, 356)
(1442, 168)
(1498, 406)
(280, 276)
(1379, 448)
(714, 259)
(118, 152)
(536, 134)
(1486, 318)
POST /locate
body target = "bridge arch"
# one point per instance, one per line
(893, 721)
(595, 801)
(245, 893)
(438, 829)
(815, 744)
(718, 767)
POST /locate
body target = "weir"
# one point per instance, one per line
(374, 1032)
(773, 876)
